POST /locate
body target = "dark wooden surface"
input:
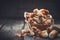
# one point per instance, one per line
(8, 28)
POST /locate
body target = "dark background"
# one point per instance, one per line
(14, 9)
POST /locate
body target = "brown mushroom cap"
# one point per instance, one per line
(44, 11)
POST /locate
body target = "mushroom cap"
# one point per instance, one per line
(44, 11)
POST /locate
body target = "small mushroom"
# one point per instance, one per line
(53, 34)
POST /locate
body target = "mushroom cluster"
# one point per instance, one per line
(40, 23)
